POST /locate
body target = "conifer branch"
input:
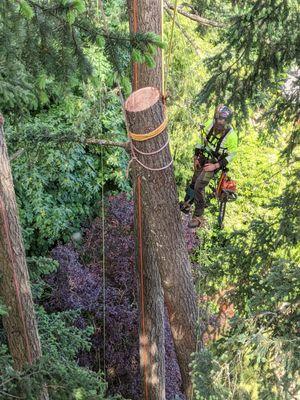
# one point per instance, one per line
(195, 17)
(16, 155)
(124, 145)
(92, 32)
(185, 34)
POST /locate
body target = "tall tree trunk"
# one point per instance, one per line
(20, 323)
(146, 16)
(162, 232)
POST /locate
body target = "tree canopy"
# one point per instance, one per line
(62, 64)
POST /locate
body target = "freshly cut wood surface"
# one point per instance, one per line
(142, 99)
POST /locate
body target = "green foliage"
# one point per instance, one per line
(38, 268)
(59, 66)
(258, 356)
(144, 50)
(55, 186)
(25, 9)
(215, 10)
(205, 370)
(57, 368)
(58, 177)
(256, 51)
(44, 60)
(3, 308)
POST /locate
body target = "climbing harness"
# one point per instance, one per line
(210, 140)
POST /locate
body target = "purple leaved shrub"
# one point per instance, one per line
(106, 295)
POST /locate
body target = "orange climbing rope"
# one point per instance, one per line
(144, 137)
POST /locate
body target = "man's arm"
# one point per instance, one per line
(209, 167)
(231, 145)
(197, 153)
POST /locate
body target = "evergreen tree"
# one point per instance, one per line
(258, 49)
(43, 49)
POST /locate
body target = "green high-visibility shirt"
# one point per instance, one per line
(228, 145)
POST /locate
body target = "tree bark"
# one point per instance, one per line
(20, 324)
(146, 16)
(164, 246)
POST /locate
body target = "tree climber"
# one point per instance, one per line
(217, 149)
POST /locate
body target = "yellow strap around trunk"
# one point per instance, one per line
(140, 137)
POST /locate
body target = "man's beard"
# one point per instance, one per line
(219, 128)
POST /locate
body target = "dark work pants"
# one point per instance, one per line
(200, 180)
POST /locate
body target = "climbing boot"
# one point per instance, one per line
(197, 222)
(185, 207)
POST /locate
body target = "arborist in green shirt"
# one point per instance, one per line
(217, 150)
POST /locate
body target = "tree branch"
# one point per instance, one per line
(99, 142)
(16, 155)
(124, 145)
(188, 38)
(195, 17)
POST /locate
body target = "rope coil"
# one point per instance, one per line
(152, 152)
(141, 137)
(149, 168)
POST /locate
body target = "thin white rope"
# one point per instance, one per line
(99, 5)
(103, 264)
(153, 152)
(152, 169)
(134, 158)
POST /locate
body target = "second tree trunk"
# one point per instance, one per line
(163, 239)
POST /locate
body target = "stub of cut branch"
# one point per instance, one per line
(124, 145)
(110, 143)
